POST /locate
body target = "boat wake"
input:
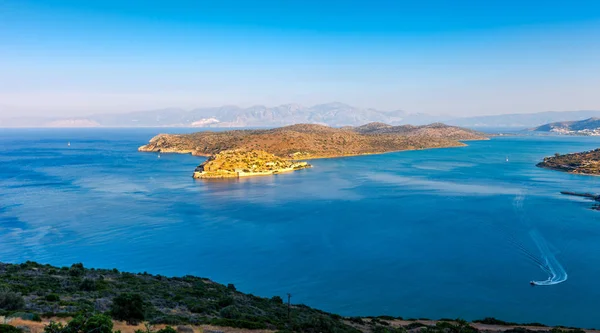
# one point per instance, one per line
(546, 259)
(550, 265)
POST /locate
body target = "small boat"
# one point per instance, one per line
(532, 283)
(158, 155)
(506, 158)
(69, 144)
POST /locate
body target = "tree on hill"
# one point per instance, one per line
(11, 301)
(129, 307)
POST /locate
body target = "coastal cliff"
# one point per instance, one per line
(310, 141)
(586, 163)
(240, 163)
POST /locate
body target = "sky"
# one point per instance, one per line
(441, 57)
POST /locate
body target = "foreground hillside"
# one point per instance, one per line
(587, 162)
(589, 126)
(52, 291)
(32, 296)
(316, 141)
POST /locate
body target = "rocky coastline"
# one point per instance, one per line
(593, 197)
(240, 163)
(584, 163)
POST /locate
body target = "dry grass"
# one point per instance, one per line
(316, 141)
(38, 327)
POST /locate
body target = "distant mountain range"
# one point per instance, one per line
(331, 114)
(590, 126)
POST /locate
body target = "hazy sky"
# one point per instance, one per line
(458, 57)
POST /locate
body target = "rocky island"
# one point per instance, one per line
(241, 163)
(586, 163)
(256, 152)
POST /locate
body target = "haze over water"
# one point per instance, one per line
(432, 233)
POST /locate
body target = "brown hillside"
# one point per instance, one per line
(316, 141)
(587, 162)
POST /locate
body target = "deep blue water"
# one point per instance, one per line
(434, 233)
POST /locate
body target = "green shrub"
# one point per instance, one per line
(9, 329)
(97, 323)
(238, 323)
(52, 298)
(168, 320)
(519, 330)
(77, 270)
(493, 321)
(87, 285)
(54, 327)
(230, 312)
(277, 299)
(129, 307)
(26, 316)
(414, 325)
(357, 320)
(225, 301)
(11, 301)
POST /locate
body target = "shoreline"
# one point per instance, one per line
(186, 152)
(565, 171)
(249, 174)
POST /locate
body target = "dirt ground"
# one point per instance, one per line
(38, 327)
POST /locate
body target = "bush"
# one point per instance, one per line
(97, 323)
(26, 316)
(129, 307)
(168, 320)
(231, 287)
(277, 299)
(77, 270)
(357, 320)
(493, 321)
(519, 330)
(9, 329)
(225, 301)
(414, 325)
(87, 285)
(11, 301)
(238, 323)
(230, 312)
(52, 298)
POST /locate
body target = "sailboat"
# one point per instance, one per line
(506, 158)
(69, 144)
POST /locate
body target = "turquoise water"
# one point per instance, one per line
(455, 232)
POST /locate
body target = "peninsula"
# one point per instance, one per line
(585, 163)
(256, 152)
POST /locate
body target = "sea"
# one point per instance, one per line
(440, 233)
